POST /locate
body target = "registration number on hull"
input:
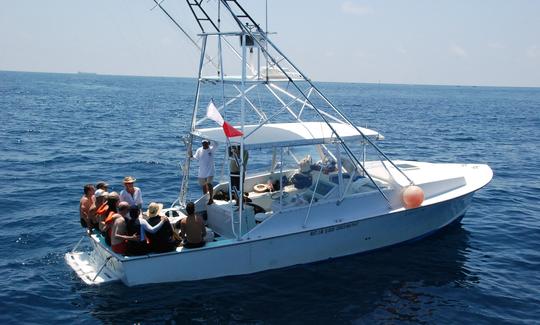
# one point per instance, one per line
(330, 229)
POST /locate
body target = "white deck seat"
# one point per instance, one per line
(219, 217)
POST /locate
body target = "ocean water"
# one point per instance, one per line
(60, 131)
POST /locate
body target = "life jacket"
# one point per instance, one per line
(104, 207)
(109, 220)
(108, 223)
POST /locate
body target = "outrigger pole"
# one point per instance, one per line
(246, 30)
(265, 51)
(189, 141)
(158, 4)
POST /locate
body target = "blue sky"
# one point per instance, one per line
(458, 42)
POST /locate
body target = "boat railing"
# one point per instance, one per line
(312, 197)
(79, 242)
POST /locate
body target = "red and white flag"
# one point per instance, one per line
(213, 114)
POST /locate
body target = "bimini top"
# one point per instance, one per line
(289, 134)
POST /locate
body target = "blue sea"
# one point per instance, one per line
(61, 131)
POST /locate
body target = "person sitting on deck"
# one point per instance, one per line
(93, 215)
(192, 229)
(102, 211)
(101, 185)
(119, 235)
(157, 230)
(139, 225)
(86, 202)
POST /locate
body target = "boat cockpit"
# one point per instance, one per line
(291, 183)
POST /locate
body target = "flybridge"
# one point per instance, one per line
(288, 134)
(256, 86)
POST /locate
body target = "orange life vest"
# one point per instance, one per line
(103, 208)
(109, 218)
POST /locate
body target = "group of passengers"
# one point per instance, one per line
(129, 231)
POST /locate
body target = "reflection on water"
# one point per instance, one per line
(396, 284)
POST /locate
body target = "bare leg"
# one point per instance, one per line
(210, 193)
(204, 188)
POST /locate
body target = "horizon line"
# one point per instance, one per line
(322, 81)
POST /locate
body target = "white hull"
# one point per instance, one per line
(305, 247)
(345, 236)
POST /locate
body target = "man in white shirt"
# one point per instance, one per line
(205, 156)
(131, 194)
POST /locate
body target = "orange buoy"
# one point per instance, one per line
(412, 196)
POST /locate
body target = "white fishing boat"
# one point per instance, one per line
(319, 186)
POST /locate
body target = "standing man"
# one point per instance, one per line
(132, 195)
(86, 202)
(205, 156)
(234, 167)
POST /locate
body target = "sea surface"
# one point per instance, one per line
(61, 131)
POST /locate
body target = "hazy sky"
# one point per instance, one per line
(464, 42)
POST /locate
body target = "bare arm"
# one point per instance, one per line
(102, 226)
(213, 146)
(116, 234)
(84, 208)
(86, 212)
(92, 213)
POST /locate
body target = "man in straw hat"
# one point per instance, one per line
(132, 195)
(153, 213)
(140, 226)
(157, 230)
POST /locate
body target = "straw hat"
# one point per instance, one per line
(154, 209)
(129, 179)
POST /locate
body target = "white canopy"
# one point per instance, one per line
(289, 134)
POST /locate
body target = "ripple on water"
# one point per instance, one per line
(68, 130)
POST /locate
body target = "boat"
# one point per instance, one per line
(319, 186)
(82, 73)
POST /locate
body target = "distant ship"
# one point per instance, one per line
(87, 73)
